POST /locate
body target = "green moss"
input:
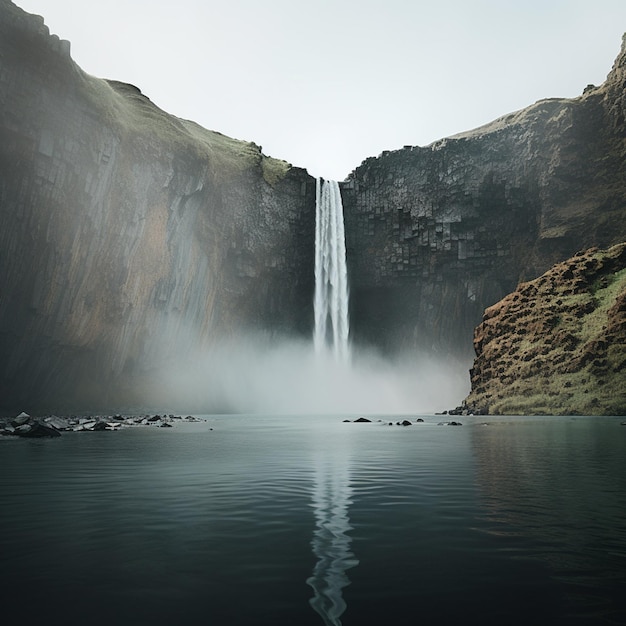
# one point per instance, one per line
(593, 323)
(127, 111)
(274, 170)
(571, 358)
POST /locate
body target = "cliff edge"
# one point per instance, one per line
(436, 234)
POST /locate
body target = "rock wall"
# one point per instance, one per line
(439, 233)
(129, 236)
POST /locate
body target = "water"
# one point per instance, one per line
(309, 520)
(331, 276)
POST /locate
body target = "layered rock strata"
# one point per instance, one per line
(557, 344)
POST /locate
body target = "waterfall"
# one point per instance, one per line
(331, 276)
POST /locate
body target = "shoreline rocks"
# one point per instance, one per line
(51, 426)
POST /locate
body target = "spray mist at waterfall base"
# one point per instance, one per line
(256, 374)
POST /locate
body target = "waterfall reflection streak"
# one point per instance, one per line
(332, 496)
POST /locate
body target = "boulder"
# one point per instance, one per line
(22, 418)
(36, 430)
(57, 422)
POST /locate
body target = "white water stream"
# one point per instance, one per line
(332, 327)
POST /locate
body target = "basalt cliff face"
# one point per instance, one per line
(557, 344)
(129, 237)
(437, 234)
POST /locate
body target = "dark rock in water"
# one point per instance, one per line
(362, 419)
(22, 418)
(455, 424)
(57, 423)
(405, 423)
(419, 419)
(165, 425)
(100, 426)
(35, 430)
(6, 429)
(344, 421)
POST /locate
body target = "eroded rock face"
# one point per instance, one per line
(129, 237)
(439, 233)
(557, 344)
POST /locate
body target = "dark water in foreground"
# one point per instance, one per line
(308, 520)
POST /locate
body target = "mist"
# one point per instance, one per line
(257, 374)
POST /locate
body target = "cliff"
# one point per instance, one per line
(129, 236)
(557, 344)
(436, 234)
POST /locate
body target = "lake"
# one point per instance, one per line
(297, 520)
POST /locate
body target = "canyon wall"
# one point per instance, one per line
(129, 237)
(436, 234)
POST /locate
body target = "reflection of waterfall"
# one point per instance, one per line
(331, 276)
(331, 542)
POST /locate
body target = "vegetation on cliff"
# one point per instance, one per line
(557, 344)
(128, 110)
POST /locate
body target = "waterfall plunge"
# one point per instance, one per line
(331, 276)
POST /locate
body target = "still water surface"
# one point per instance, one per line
(254, 520)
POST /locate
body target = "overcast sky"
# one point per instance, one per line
(325, 84)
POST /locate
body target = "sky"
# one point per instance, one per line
(325, 84)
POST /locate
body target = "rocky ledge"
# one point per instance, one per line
(557, 344)
(30, 427)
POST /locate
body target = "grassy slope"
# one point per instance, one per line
(126, 108)
(557, 345)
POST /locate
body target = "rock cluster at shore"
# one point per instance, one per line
(52, 426)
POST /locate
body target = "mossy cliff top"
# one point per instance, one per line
(128, 110)
(557, 344)
(45, 59)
